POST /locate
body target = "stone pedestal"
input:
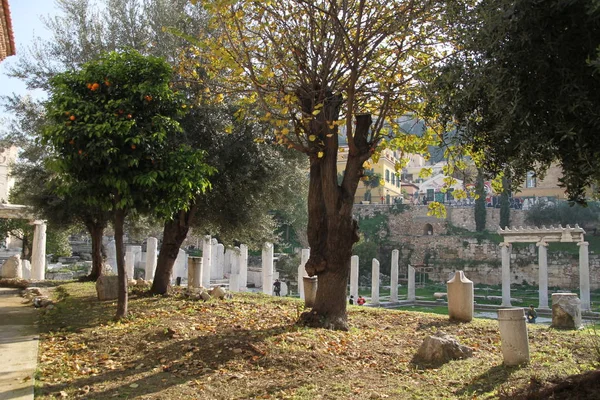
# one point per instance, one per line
(267, 268)
(411, 284)
(304, 256)
(394, 276)
(206, 261)
(310, 290)
(505, 250)
(543, 273)
(460, 298)
(111, 255)
(220, 261)
(129, 263)
(375, 282)
(12, 268)
(151, 258)
(566, 311)
(38, 251)
(584, 275)
(234, 275)
(513, 333)
(243, 262)
(180, 264)
(194, 272)
(214, 262)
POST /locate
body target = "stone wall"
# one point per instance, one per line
(445, 252)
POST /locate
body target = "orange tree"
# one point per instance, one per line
(110, 128)
(322, 69)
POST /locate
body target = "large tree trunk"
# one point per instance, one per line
(174, 233)
(331, 230)
(119, 221)
(96, 230)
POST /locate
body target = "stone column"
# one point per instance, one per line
(305, 255)
(206, 261)
(243, 262)
(38, 251)
(411, 284)
(354, 277)
(137, 251)
(129, 262)
(220, 261)
(394, 276)
(194, 272)
(513, 334)
(214, 259)
(543, 273)
(310, 290)
(505, 250)
(584, 276)
(461, 298)
(267, 268)
(151, 260)
(375, 282)
(111, 255)
(234, 275)
(227, 262)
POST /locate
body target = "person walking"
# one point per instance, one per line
(277, 287)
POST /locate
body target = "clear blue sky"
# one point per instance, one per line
(27, 24)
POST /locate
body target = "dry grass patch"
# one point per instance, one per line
(250, 348)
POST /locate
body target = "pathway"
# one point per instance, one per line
(18, 346)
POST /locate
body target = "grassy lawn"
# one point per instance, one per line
(250, 348)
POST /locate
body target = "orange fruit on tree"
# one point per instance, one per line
(133, 147)
(72, 118)
(95, 86)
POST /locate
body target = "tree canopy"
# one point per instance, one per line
(524, 89)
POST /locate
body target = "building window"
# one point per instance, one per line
(393, 179)
(387, 175)
(530, 182)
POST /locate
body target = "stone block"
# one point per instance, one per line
(566, 311)
(217, 292)
(107, 287)
(439, 349)
(12, 268)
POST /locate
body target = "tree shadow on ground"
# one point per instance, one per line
(180, 362)
(488, 380)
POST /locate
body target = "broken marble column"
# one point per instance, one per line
(151, 258)
(505, 249)
(411, 296)
(194, 272)
(375, 282)
(137, 251)
(179, 268)
(206, 261)
(12, 268)
(220, 261)
(310, 290)
(129, 262)
(304, 256)
(584, 276)
(111, 255)
(543, 273)
(26, 266)
(227, 262)
(267, 268)
(214, 267)
(394, 276)
(38, 251)
(513, 335)
(354, 277)
(234, 275)
(243, 263)
(461, 298)
(566, 311)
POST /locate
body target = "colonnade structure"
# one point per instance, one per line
(541, 237)
(38, 251)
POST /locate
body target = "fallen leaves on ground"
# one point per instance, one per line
(250, 348)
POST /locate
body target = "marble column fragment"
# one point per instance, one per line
(394, 276)
(543, 273)
(243, 263)
(151, 257)
(304, 256)
(214, 260)
(354, 277)
(38, 251)
(267, 268)
(411, 296)
(234, 275)
(584, 276)
(505, 249)
(461, 298)
(206, 261)
(375, 282)
(111, 255)
(220, 268)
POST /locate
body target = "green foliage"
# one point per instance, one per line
(562, 213)
(57, 242)
(480, 212)
(522, 90)
(109, 124)
(366, 251)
